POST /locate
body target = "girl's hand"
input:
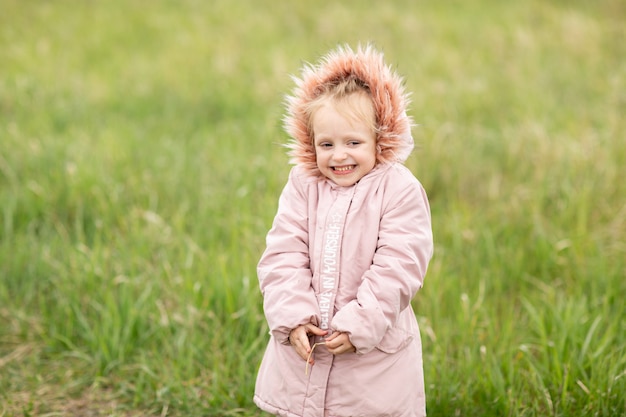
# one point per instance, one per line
(299, 339)
(338, 343)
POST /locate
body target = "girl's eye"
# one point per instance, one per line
(354, 142)
(325, 145)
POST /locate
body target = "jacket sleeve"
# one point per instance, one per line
(284, 269)
(405, 246)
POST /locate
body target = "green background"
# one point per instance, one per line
(141, 161)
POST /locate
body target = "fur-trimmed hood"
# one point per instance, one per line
(394, 140)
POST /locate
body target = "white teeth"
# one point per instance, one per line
(342, 169)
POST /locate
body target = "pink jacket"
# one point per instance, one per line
(349, 259)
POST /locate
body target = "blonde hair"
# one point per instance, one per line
(343, 99)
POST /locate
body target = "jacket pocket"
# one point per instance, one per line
(395, 340)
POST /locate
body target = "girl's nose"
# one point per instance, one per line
(340, 154)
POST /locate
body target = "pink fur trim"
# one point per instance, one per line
(394, 139)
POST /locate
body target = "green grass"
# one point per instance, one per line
(140, 166)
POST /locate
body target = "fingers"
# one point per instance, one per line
(312, 329)
(338, 343)
(299, 339)
(336, 340)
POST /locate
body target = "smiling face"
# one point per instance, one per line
(344, 138)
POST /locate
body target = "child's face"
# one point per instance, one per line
(345, 147)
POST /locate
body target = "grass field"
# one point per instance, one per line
(140, 166)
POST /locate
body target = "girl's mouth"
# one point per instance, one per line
(343, 169)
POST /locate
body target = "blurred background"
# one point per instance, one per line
(141, 162)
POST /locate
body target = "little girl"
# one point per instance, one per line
(347, 251)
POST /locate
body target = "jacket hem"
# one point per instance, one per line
(273, 409)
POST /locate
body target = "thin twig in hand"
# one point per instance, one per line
(306, 368)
